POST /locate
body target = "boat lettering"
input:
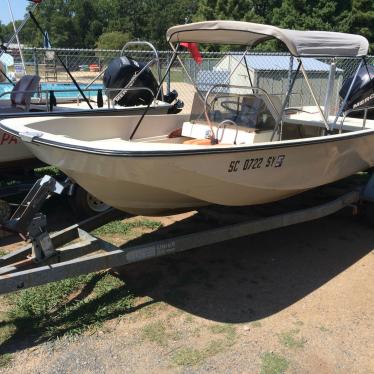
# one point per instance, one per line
(234, 166)
(8, 139)
(256, 163)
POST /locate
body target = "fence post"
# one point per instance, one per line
(36, 62)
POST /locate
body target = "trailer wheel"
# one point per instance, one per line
(85, 204)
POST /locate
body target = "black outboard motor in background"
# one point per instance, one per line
(120, 72)
(124, 70)
(362, 94)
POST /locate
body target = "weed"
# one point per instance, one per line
(187, 357)
(124, 228)
(189, 319)
(156, 332)
(273, 363)
(47, 170)
(298, 323)
(5, 360)
(290, 340)
(324, 329)
(226, 329)
(174, 314)
(256, 324)
(214, 347)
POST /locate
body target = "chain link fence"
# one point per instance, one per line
(272, 72)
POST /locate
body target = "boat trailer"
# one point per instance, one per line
(74, 251)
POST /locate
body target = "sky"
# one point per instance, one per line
(18, 7)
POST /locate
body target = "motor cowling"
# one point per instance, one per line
(121, 72)
(362, 93)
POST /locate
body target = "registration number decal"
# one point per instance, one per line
(256, 163)
(8, 139)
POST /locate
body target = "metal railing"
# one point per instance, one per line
(271, 71)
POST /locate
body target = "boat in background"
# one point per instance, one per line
(246, 147)
(129, 88)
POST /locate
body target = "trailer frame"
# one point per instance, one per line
(87, 253)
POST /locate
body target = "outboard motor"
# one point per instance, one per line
(362, 94)
(123, 70)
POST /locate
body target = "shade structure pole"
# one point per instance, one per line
(330, 89)
(343, 104)
(17, 38)
(175, 55)
(186, 71)
(285, 102)
(313, 94)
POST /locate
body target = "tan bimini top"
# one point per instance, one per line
(299, 43)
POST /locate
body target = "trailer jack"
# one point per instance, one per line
(29, 223)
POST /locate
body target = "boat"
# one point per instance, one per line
(128, 88)
(239, 145)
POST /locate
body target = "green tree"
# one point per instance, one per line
(112, 40)
(361, 20)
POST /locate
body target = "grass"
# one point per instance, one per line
(256, 324)
(187, 357)
(324, 329)
(290, 340)
(67, 307)
(124, 228)
(156, 332)
(273, 363)
(5, 360)
(226, 329)
(47, 170)
(298, 323)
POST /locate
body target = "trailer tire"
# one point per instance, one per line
(86, 205)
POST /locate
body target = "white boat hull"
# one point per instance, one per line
(150, 185)
(13, 153)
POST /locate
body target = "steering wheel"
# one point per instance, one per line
(227, 105)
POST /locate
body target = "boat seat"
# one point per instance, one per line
(22, 92)
(199, 132)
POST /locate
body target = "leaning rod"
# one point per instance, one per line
(17, 38)
(160, 85)
(313, 95)
(62, 62)
(6, 77)
(249, 75)
(20, 27)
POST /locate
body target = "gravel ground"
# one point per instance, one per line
(296, 300)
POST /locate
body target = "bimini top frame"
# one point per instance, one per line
(299, 43)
